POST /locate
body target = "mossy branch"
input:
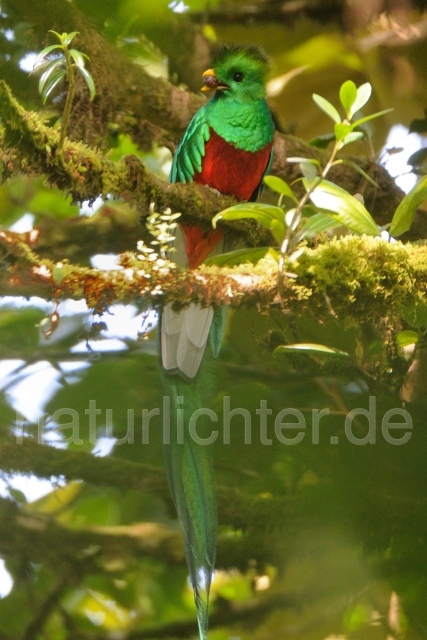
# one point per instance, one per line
(42, 539)
(32, 148)
(358, 279)
(26, 456)
(29, 147)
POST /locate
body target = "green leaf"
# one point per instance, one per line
(58, 35)
(363, 95)
(405, 212)
(19, 331)
(363, 173)
(416, 315)
(407, 337)
(265, 214)
(78, 57)
(43, 53)
(69, 37)
(309, 171)
(327, 107)
(348, 95)
(52, 83)
(51, 67)
(321, 142)
(298, 159)
(310, 348)
(417, 158)
(342, 129)
(318, 223)
(351, 137)
(420, 125)
(345, 208)
(52, 202)
(371, 117)
(89, 81)
(279, 186)
(240, 256)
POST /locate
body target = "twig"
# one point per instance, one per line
(36, 625)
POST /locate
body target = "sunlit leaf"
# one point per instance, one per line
(50, 69)
(58, 35)
(293, 219)
(241, 256)
(57, 499)
(356, 617)
(318, 223)
(342, 129)
(265, 214)
(405, 212)
(100, 610)
(78, 57)
(363, 95)
(298, 159)
(279, 186)
(89, 81)
(54, 80)
(353, 136)
(327, 107)
(309, 171)
(348, 95)
(344, 207)
(310, 348)
(371, 117)
(44, 53)
(406, 338)
(70, 37)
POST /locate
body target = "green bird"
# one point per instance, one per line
(228, 147)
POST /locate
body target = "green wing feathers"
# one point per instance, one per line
(188, 157)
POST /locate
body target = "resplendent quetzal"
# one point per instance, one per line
(228, 147)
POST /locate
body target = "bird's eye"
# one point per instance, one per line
(238, 77)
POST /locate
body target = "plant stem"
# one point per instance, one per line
(289, 242)
(70, 97)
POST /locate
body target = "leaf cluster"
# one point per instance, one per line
(55, 70)
(325, 205)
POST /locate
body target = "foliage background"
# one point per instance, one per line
(316, 540)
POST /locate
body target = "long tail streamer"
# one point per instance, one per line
(192, 484)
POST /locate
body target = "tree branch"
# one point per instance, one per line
(151, 108)
(51, 603)
(31, 148)
(357, 279)
(46, 462)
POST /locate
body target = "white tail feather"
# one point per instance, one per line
(184, 333)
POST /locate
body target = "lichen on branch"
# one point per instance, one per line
(355, 278)
(30, 147)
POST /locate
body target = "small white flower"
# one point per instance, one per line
(42, 271)
(128, 274)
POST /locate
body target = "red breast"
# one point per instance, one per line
(231, 171)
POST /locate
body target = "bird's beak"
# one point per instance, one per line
(210, 81)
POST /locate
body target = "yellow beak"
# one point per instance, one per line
(210, 80)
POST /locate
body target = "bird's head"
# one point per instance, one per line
(238, 72)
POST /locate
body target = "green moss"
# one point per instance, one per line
(364, 278)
